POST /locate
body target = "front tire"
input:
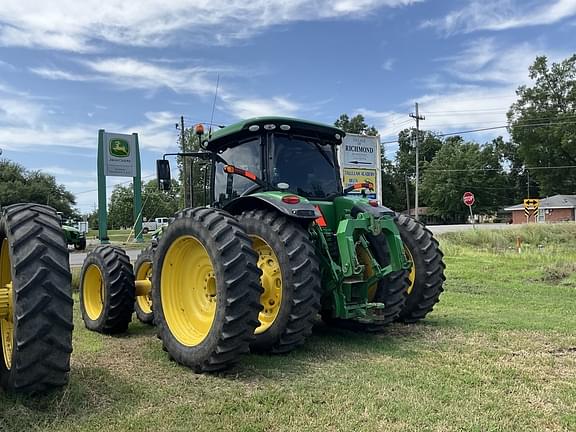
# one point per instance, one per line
(290, 279)
(426, 278)
(81, 245)
(107, 290)
(205, 289)
(35, 300)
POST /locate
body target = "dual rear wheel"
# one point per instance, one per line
(223, 286)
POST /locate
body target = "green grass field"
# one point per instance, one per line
(497, 354)
(120, 237)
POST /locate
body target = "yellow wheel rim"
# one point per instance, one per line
(93, 292)
(6, 302)
(412, 275)
(145, 301)
(188, 291)
(271, 281)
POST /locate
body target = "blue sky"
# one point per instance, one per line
(69, 68)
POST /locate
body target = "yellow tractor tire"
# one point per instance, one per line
(107, 291)
(143, 270)
(35, 300)
(426, 277)
(290, 280)
(205, 289)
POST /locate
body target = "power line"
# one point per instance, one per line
(500, 169)
(468, 111)
(520, 125)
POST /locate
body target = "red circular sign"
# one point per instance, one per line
(468, 198)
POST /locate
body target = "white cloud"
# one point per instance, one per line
(247, 107)
(388, 64)
(130, 73)
(474, 91)
(484, 60)
(499, 15)
(82, 26)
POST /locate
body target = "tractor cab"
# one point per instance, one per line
(283, 154)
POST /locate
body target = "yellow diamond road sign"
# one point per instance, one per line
(531, 206)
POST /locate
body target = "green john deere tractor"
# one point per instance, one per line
(35, 300)
(280, 243)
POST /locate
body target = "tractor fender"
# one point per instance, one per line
(303, 210)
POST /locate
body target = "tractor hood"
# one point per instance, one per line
(255, 126)
(72, 231)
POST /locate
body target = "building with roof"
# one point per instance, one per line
(557, 208)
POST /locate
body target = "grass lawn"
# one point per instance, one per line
(497, 354)
(119, 237)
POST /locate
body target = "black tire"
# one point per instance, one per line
(143, 307)
(301, 286)
(234, 280)
(429, 269)
(41, 300)
(112, 311)
(81, 245)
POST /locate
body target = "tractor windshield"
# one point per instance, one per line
(307, 166)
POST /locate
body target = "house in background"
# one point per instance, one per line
(557, 208)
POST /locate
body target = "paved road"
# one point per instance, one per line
(77, 258)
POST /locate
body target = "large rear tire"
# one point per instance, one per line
(426, 277)
(81, 245)
(290, 279)
(35, 300)
(107, 290)
(206, 289)
(143, 270)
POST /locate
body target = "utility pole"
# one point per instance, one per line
(184, 165)
(417, 117)
(407, 194)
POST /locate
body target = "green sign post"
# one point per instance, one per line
(119, 156)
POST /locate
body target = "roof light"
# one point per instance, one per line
(374, 203)
(270, 126)
(199, 129)
(285, 127)
(337, 136)
(291, 199)
(253, 128)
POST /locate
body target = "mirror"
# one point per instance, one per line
(163, 174)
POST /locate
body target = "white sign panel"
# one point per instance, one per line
(360, 151)
(119, 155)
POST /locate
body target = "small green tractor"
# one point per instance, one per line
(35, 300)
(72, 235)
(279, 244)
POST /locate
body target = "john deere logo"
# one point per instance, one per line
(119, 148)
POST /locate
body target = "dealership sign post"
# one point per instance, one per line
(118, 156)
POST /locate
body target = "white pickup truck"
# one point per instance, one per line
(154, 225)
